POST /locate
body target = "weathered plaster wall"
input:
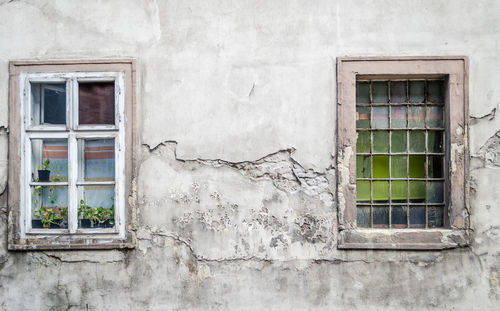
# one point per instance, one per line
(236, 180)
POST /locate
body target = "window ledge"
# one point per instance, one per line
(66, 243)
(403, 239)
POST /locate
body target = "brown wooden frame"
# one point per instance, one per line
(457, 221)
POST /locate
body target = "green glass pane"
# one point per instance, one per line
(417, 166)
(381, 216)
(380, 117)
(398, 216)
(416, 117)
(380, 191)
(363, 216)
(363, 142)
(435, 166)
(379, 92)
(363, 166)
(362, 191)
(381, 166)
(381, 141)
(398, 91)
(434, 141)
(363, 117)
(398, 117)
(398, 191)
(362, 93)
(417, 94)
(435, 116)
(398, 141)
(435, 192)
(435, 216)
(417, 141)
(417, 217)
(417, 191)
(435, 91)
(398, 167)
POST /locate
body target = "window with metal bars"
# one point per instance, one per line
(400, 156)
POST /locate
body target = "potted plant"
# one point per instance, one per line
(50, 217)
(44, 173)
(95, 217)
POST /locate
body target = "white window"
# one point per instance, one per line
(72, 170)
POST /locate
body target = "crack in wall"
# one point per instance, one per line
(489, 116)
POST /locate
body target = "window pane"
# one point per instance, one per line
(434, 141)
(398, 91)
(381, 141)
(49, 206)
(362, 93)
(48, 103)
(398, 191)
(96, 208)
(435, 216)
(416, 117)
(417, 217)
(417, 166)
(380, 191)
(435, 166)
(49, 160)
(363, 216)
(380, 94)
(417, 94)
(435, 192)
(363, 191)
(381, 166)
(363, 167)
(398, 117)
(380, 216)
(398, 216)
(435, 91)
(363, 117)
(96, 103)
(399, 167)
(98, 163)
(380, 117)
(398, 141)
(434, 116)
(417, 141)
(417, 191)
(363, 142)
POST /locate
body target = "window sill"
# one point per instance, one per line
(403, 239)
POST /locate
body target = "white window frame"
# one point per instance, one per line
(72, 131)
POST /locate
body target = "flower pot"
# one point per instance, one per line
(86, 223)
(44, 175)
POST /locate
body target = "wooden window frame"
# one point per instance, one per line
(22, 73)
(456, 231)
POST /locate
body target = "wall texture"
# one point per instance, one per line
(235, 188)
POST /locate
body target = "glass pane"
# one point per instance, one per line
(435, 91)
(380, 94)
(381, 141)
(417, 94)
(98, 163)
(398, 91)
(398, 191)
(380, 191)
(435, 216)
(398, 117)
(380, 216)
(434, 141)
(398, 216)
(398, 141)
(398, 167)
(49, 206)
(363, 117)
(362, 92)
(435, 192)
(96, 103)
(363, 191)
(363, 142)
(417, 191)
(49, 160)
(434, 116)
(363, 167)
(435, 167)
(380, 117)
(48, 103)
(417, 166)
(417, 141)
(381, 166)
(417, 217)
(363, 216)
(96, 208)
(416, 117)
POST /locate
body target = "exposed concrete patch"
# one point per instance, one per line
(489, 153)
(107, 256)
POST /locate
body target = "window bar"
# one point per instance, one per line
(390, 151)
(371, 156)
(407, 156)
(426, 163)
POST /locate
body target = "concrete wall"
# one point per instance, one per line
(237, 118)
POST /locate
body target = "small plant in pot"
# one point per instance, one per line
(95, 217)
(44, 173)
(51, 217)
